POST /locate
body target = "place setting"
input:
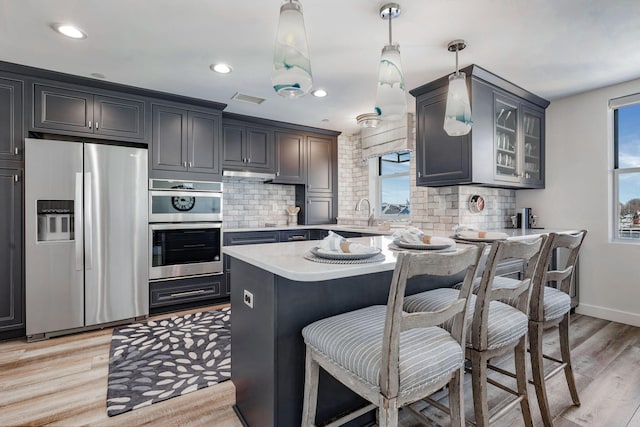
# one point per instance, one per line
(414, 239)
(468, 234)
(335, 249)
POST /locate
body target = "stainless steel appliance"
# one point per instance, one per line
(185, 230)
(184, 201)
(86, 235)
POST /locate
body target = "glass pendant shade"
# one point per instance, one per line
(291, 76)
(391, 100)
(457, 117)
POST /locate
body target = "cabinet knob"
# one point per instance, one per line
(184, 164)
(97, 125)
(248, 159)
(16, 151)
(89, 124)
(419, 174)
(190, 164)
(278, 173)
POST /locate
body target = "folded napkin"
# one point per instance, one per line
(337, 244)
(412, 235)
(475, 234)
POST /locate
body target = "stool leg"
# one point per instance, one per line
(566, 358)
(537, 368)
(456, 399)
(388, 412)
(520, 352)
(311, 375)
(479, 386)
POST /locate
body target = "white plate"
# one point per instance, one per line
(339, 255)
(491, 237)
(431, 246)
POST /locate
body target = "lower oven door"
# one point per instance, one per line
(181, 250)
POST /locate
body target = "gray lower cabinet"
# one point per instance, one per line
(185, 141)
(319, 209)
(184, 291)
(11, 260)
(66, 110)
(11, 135)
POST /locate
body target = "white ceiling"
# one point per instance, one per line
(551, 47)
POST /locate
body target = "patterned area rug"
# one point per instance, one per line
(155, 361)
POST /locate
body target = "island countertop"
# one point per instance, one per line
(287, 259)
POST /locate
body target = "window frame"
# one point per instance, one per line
(375, 185)
(614, 105)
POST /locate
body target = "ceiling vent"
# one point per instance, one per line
(247, 98)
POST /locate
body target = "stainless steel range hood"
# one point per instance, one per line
(249, 175)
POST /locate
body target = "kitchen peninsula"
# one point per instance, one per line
(275, 292)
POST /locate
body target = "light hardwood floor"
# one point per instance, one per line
(62, 382)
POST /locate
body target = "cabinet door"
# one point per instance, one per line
(506, 139)
(440, 159)
(169, 139)
(118, 117)
(533, 136)
(204, 147)
(11, 287)
(319, 209)
(62, 109)
(11, 140)
(259, 148)
(320, 164)
(290, 158)
(233, 143)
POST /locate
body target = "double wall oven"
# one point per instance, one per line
(185, 229)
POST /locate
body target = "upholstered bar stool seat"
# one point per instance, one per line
(506, 324)
(354, 342)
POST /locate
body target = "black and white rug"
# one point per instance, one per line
(155, 361)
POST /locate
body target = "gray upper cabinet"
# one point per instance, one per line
(247, 147)
(291, 158)
(78, 112)
(185, 141)
(321, 164)
(11, 287)
(11, 137)
(505, 147)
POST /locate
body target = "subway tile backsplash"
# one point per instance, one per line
(252, 204)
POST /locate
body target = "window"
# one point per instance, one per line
(626, 168)
(394, 185)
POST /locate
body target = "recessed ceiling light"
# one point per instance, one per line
(69, 31)
(221, 68)
(319, 93)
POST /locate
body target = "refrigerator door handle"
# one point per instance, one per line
(88, 221)
(77, 221)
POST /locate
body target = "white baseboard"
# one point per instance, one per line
(625, 317)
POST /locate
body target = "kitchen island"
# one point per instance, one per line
(275, 292)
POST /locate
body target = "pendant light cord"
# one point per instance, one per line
(390, 11)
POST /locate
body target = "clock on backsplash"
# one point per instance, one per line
(476, 203)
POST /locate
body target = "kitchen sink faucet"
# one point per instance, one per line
(371, 221)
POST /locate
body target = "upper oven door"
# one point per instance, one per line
(184, 206)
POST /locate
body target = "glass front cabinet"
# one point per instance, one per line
(518, 144)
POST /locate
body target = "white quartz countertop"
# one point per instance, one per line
(287, 259)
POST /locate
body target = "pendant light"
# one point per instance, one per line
(457, 117)
(391, 99)
(291, 77)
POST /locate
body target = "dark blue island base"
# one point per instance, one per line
(268, 352)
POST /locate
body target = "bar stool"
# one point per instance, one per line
(389, 357)
(551, 306)
(496, 328)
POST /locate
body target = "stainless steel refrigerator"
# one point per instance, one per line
(86, 237)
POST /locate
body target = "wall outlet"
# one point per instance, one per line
(248, 298)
